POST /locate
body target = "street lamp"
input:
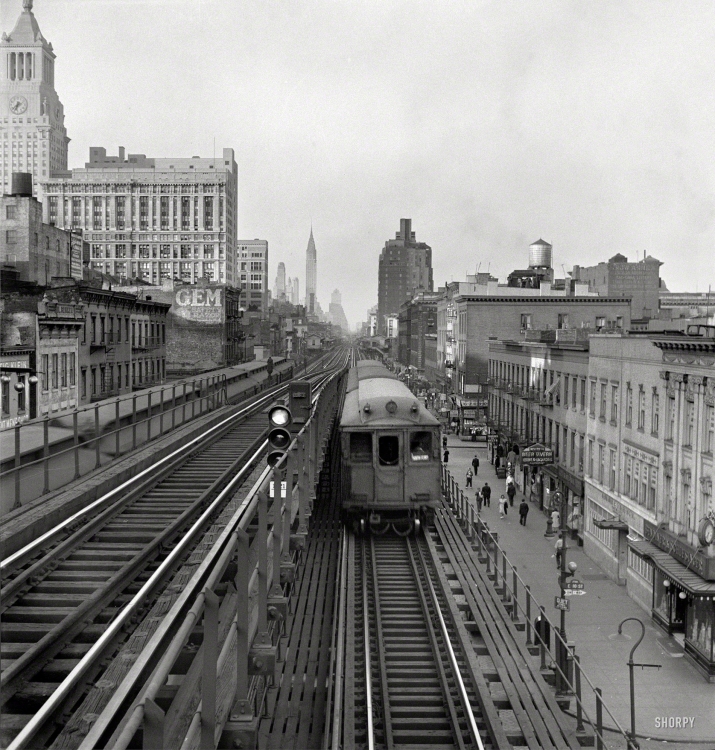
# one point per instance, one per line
(633, 742)
(565, 572)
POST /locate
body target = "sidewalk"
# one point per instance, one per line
(676, 690)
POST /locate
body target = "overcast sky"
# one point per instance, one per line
(490, 124)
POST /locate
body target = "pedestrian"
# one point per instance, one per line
(509, 480)
(469, 477)
(444, 441)
(555, 519)
(503, 505)
(446, 457)
(479, 499)
(475, 464)
(558, 549)
(523, 512)
(487, 494)
(511, 491)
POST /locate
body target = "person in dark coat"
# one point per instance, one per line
(523, 512)
(487, 494)
(446, 457)
(475, 464)
(511, 492)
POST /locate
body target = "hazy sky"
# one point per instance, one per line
(490, 124)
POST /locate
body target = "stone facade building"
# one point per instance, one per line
(252, 275)
(151, 219)
(33, 137)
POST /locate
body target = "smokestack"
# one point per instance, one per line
(121, 154)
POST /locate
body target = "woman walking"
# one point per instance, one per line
(503, 505)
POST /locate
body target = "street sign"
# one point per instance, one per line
(572, 592)
(537, 455)
(560, 603)
(575, 584)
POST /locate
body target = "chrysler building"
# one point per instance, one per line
(32, 132)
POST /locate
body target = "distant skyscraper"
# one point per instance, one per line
(29, 105)
(295, 291)
(405, 268)
(336, 298)
(336, 314)
(280, 288)
(311, 275)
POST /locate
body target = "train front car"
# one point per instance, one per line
(390, 453)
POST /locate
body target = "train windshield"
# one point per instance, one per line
(361, 447)
(389, 450)
(420, 446)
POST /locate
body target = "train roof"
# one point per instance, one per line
(367, 368)
(382, 401)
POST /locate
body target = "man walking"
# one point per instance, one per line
(523, 512)
(446, 456)
(475, 464)
(478, 498)
(511, 492)
(487, 494)
(469, 477)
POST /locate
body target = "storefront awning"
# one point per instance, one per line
(673, 570)
(610, 523)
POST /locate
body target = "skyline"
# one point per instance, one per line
(461, 117)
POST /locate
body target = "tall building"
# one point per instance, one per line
(252, 275)
(280, 287)
(34, 137)
(336, 314)
(405, 268)
(293, 291)
(311, 275)
(151, 219)
(639, 281)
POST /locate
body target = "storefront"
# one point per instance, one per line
(558, 478)
(683, 601)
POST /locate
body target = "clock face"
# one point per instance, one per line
(18, 104)
(706, 532)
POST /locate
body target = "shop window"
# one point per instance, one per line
(389, 450)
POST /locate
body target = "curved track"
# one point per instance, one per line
(60, 595)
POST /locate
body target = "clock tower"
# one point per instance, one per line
(33, 137)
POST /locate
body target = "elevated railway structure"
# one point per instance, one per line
(73, 598)
(216, 602)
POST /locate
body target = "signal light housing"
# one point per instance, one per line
(279, 437)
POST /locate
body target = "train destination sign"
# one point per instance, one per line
(537, 455)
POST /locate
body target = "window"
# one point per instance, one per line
(563, 320)
(574, 392)
(709, 441)
(10, 212)
(652, 491)
(63, 369)
(655, 413)
(84, 382)
(629, 405)
(55, 371)
(72, 368)
(11, 236)
(526, 321)
(602, 413)
(566, 392)
(45, 371)
(628, 468)
(614, 405)
(670, 414)
(592, 405)
(612, 473)
(590, 458)
(583, 394)
(421, 446)
(601, 463)
(689, 422)
(389, 450)
(5, 397)
(635, 480)
(641, 408)
(22, 394)
(600, 322)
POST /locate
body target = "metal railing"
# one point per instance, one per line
(61, 449)
(508, 581)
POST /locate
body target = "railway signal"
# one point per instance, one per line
(279, 437)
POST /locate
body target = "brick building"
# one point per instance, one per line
(417, 320)
(37, 250)
(203, 325)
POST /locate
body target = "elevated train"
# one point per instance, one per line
(390, 453)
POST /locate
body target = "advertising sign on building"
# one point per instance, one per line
(537, 455)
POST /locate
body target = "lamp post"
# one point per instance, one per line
(565, 572)
(633, 742)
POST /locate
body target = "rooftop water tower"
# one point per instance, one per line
(540, 254)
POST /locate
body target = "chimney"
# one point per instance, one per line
(121, 154)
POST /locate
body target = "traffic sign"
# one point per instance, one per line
(575, 584)
(560, 603)
(574, 592)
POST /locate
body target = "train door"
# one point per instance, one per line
(389, 473)
(361, 467)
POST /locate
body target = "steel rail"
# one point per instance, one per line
(54, 701)
(452, 658)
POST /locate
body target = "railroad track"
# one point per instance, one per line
(414, 690)
(59, 599)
